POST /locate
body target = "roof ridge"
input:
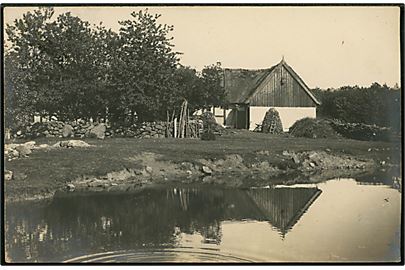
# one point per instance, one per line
(253, 78)
(259, 69)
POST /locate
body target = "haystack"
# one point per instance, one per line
(313, 128)
(272, 122)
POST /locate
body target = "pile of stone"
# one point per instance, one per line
(121, 131)
(14, 151)
(58, 129)
(151, 130)
(84, 129)
(321, 160)
(143, 130)
(71, 144)
(45, 129)
(272, 122)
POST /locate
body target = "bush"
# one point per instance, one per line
(360, 131)
(210, 124)
(324, 128)
(313, 128)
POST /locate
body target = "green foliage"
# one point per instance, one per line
(201, 90)
(68, 68)
(377, 104)
(214, 92)
(144, 69)
(60, 65)
(24, 65)
(17, 98)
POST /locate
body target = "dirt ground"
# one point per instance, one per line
(240, 160)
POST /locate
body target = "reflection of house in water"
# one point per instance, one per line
(80, 223)
(281, 207)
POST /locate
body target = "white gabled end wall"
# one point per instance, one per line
(288, 115)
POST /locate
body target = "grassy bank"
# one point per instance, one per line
(47, 170)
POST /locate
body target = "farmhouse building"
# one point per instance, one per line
(251, 93)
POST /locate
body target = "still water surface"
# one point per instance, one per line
(338, 220)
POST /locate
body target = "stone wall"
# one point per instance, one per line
(83, 129)
(360, 131)
(58, 129)
(144, 130)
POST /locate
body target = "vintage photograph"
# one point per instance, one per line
(202, 134)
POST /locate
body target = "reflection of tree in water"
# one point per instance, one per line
(389, 177)
(88, 224)
(76, 225)
(201, 211)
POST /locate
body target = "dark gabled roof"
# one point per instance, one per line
(283, 207)
(241, 84)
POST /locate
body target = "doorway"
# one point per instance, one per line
(242, 117)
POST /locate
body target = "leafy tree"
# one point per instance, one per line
(202, 90)
(377, 104)
(17, 105)
(143, 73)
(65, 67)
(72, 78)
(105, 49)
(188, 86)
(83, 55)
(65, 63)
(26, 63)
(213, 93)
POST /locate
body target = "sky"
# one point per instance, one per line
(326, 46)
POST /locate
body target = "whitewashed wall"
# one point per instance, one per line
(288, 115)
(219, 114)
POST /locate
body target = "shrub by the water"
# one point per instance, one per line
(313, 128)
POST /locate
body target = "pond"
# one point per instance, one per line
(334, 221)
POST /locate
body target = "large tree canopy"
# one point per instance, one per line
(145, 65)
(377, 104)
(66, 67)
(202, 90)
(60, 65)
